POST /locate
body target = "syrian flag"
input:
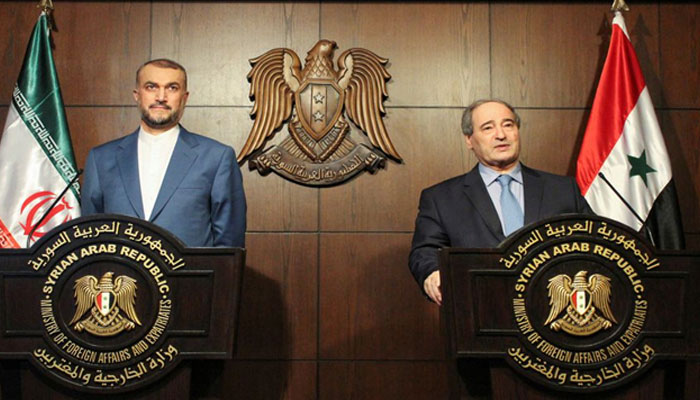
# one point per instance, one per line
(623, 168)
(36, 154)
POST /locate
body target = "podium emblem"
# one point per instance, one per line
(583, 301)
(106, 300)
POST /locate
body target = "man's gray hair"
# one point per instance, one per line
(468, 123)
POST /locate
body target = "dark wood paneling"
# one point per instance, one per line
(682, 134)
(370, 306)
(692, 241)
(680, 47)
(90, 126)
(551, 55)
(18, 18)
(432, 145)
(383, 380)
(274, 204)
(551, 139)
(438, 53)
(255, 380)
(278, 303)
(113, 39)
(214, 41)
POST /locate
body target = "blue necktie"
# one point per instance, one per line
(510, 208)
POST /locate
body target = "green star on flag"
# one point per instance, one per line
(640, 167)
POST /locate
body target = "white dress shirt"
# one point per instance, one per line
(154, 152)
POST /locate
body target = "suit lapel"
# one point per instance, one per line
(533, 189)
(476, 193)
(128, 162)
(181, 160)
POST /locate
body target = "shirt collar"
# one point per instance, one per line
(489, 175)
(168, 135)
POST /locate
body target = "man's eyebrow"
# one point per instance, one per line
(167, 84)
(486, 123)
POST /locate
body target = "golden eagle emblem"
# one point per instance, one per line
(105, 300)
(319, 150)
(582, 301)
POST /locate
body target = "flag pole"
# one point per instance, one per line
(47, 8)
(619, 5)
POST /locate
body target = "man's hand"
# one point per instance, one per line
(431, 285)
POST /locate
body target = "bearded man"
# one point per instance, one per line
(189, 184)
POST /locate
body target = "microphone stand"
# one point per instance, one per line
(46, 213)
(629, 207)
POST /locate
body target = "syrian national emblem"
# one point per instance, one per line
(105, 300)
(319, 150)
(583, 302)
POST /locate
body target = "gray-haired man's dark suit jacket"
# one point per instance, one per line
(459, 213)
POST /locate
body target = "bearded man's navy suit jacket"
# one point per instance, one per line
(201, 199)
(459, 213)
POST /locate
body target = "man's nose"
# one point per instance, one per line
(500, 133)
(161, 94)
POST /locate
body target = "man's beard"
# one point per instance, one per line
(160, 122)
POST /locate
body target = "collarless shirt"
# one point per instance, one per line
(154, 152)
(490, 177)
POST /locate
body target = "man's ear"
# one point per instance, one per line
(468, 141)
(136, 95)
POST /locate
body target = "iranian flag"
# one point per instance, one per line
(623, 169)
(36, 154)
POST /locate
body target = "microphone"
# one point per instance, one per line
(46, 213)
(629, 207)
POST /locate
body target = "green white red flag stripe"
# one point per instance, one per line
(36, 154)
(623, 140)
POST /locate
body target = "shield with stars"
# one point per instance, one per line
(319, 104)
(581, 301)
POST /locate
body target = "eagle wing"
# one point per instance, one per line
(559, 290)
(274, 78)
(363, 77)
(599, 287)
(125, 291)
(85, 291)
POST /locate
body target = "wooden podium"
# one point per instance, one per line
(113, 305)
(571, 306)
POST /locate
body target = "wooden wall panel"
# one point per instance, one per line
(692, 241)
(680, 47)
(18, 18)
(216, 40)
(433, 148)
(551, 139)
(383, 380)
(115, 39)
(274, 204)
(255, 380)
(551, 55)
(438, 52)
(90, 126)
(370, 306)
(278, 317)
(682, 134)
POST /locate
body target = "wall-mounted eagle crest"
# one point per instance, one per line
(319, 150)
(583, 302)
